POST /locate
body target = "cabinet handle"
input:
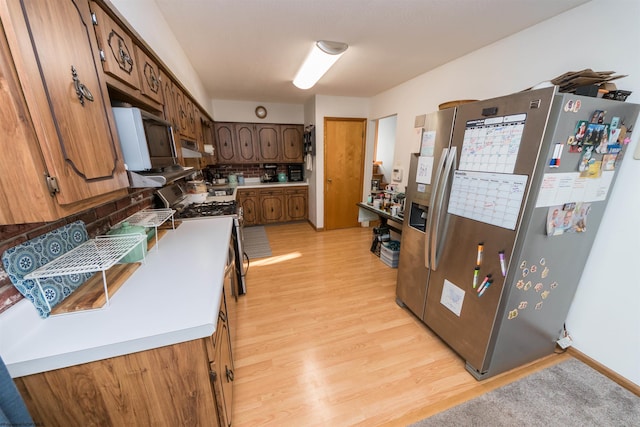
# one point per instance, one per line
(81, 90)
(223, 316)
(229, 373)
(124, 55)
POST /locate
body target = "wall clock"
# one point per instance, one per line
(261, 112)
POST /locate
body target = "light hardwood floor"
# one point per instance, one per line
(320, 340)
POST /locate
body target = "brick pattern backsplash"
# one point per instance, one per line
(249, 171)
(98, 221)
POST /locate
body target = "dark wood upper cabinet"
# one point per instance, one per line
(117, 49)
(245, 138)
(58, 104)
(149, 75)
(269, 142)
(292, 142)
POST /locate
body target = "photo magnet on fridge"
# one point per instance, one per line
(609, 162)
(586, 159)
(595, 133)
(581, 131)
(598, 116)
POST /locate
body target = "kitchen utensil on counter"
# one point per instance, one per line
(139, 252)
(282, 177)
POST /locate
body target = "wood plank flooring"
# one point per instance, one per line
(320, 340)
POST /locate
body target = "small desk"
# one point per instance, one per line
(384, 216)
(368, 213)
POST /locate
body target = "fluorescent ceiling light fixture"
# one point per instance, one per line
(318, 62)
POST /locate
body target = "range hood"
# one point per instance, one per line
(158, 179)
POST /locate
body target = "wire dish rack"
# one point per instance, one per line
(152, 218)
(95, 255)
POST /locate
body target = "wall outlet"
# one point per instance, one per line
(565, 342)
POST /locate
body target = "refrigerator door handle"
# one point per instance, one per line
(432, 207)
(436, 233)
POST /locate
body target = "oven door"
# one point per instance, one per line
(238, 248)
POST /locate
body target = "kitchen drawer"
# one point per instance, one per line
(270, 192)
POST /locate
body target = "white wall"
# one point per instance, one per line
(244, 111)
(336, 106)
(145, 17)
(604, 320)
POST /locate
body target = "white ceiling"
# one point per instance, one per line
(251, 49)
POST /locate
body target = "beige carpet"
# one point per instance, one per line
(567, 394)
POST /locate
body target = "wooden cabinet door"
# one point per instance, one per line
(248, 200)
(246, 149)
(56, 58)
(116, 48)
(223, 373)
(292, 143)
(181, 108)
(225, 142)
(149, 75)
(169, 97)
(272, 206)
(268, 143)
(191, 118)
(296, 203)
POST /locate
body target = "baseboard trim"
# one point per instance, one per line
(612, 375)
(314, 226)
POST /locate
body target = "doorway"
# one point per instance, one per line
(344, 144)
(384, 149)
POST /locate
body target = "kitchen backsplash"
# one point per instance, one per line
(249, 171)
(98, 221)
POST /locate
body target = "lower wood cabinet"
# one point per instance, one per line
(296, 203)
(185, 384)
(271, 205)
(248, 200)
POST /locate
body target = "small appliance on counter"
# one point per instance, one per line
(270, 173)
(295, 172)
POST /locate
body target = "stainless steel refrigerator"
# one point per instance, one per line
(503, 204)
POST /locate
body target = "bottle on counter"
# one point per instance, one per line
(240, 178)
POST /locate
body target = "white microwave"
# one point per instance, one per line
(146, 140)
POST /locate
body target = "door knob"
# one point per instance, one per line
(329, 180)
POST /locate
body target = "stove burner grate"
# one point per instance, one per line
(198, 210)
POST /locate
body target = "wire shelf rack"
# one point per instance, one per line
(152, 218)
(98, 254)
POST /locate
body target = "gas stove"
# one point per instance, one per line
(175, 198)
(207, 209)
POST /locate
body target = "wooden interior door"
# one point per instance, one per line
(344, 141)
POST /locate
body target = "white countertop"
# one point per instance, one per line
(173, 297)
